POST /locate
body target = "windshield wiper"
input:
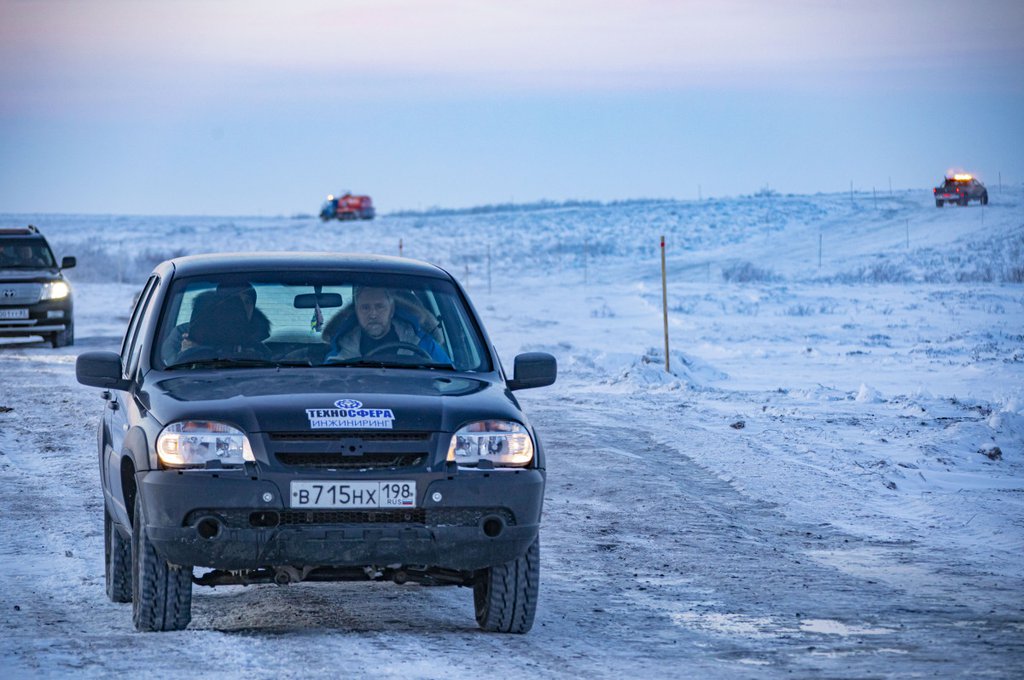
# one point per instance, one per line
(380, 363)
(224, 362)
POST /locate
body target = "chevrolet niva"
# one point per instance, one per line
(279, 418)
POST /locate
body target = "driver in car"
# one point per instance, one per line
(380, 332)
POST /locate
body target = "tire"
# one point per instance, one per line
(161, 592)
(505, 597)
(117, 554)
(984, 198)
(65, 337)
(938, 203)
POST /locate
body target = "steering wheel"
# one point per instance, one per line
(415, 349)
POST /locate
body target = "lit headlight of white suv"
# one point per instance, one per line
(503, 442)
(193, 443)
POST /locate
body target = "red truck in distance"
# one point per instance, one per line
(347, 207)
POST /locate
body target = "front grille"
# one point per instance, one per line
(369, 461)
(20, 293)
(349, 434)
(352, 450)
(461, 517)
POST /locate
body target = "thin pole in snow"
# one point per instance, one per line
(467, 275)
(400, 247)
(586, 247)
(664, 302)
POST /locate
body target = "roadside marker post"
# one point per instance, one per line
(586, 247)
(400, 247)
(664, 301)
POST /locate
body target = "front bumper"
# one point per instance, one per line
(221, 520)
(47, 316)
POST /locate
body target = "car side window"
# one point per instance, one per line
(130, 348)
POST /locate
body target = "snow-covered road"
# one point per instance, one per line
(813, 492)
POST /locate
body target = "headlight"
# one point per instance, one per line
(502, 442)
(55, 290)
(192, 443)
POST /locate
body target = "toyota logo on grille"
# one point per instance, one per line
(7, 293)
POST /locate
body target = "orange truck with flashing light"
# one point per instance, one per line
(960, 188)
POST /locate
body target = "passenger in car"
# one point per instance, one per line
(254, 329)
(219, 327)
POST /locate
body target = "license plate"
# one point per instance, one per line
(13, 313)
(342, 494)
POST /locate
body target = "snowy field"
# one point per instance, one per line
(828, 483)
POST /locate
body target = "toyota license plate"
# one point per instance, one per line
(340, 494)
(13, 313)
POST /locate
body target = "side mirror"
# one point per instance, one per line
(100, 369)
(533, 369)
(68, 262)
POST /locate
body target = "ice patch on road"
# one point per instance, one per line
(831, 627)
(727, 624)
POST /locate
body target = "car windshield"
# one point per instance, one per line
(310, 318)
(25, 253)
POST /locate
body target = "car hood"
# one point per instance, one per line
(28, 275)
(323, 400)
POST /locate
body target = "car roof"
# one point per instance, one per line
(29, 232)
(213, 263)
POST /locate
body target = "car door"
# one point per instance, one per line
(116, 416)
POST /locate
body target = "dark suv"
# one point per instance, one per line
(35, 299)
(310, 417)
(960, 189)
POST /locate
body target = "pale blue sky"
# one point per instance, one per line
(257, 108)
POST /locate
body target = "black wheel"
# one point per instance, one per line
(161, 592)
(65, 337)
(117, 554)
(505, 597)
(938, 203)
(984, 198)
(416, 349)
